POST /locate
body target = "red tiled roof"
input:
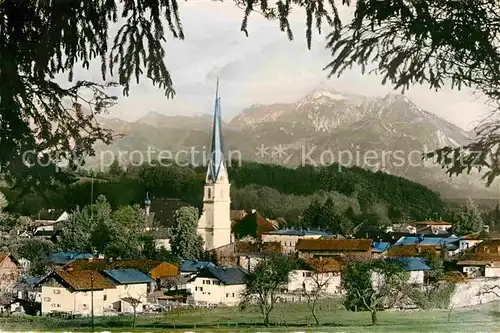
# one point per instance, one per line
(145, 266)
(410, 250)
(82, 280)
(324, 265)
(306, 244)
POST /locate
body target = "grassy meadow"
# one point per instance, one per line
(286, 317)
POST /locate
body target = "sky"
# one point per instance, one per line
(263, 68)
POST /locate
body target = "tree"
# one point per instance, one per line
(97, 228)
(186, 242)
(37, 252)
(134, 303)
(115, 169)
(374, 285)
(265, 282)
(319, 281)
(468, 220)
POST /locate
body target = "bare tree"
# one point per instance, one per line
(134, 302)
(320, 279)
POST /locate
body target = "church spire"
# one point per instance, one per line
(216, 165)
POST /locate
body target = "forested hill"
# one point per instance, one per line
(273, 190)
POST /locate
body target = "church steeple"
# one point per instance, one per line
(214, 224)
(216, 165)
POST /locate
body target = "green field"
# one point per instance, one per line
(291, 317)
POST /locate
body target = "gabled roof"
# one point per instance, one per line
(81, 280)
(194, 265)
(322, 265)
(305, 244)
(379, 247)
(410, 250)
(411, 264)
(5, 255)
(253, 224)
(294, 232)
(128, 276)
(226, 275)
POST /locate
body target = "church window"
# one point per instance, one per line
(209, 193)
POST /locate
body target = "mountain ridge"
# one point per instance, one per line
(324, 118)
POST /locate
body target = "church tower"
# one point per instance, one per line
(215, 222)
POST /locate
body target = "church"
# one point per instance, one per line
(214, 224)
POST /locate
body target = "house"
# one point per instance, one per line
(218, 286)
(450, 242)
(245, 253)
(415, 266)
(379, 248)
(324, 248)
(9, 272)
(314, 274)
(63, 258)
(74, 292)
(441, 225)
(471, 240)
(128, 283)
(193, 266)
(482, 260)
(402, 251)
(253, 224)
(289, 237)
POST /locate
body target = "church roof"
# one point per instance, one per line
(216, 165)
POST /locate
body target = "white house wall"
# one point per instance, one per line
(59, 299)
(298, 278)
(212, 291)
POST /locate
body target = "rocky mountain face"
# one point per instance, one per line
(388, 134)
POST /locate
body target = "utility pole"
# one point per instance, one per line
(92, 299)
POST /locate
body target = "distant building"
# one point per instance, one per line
(317, 273)
(437, 225)
(218, 286)
(214, 224)
(70, 292)
(289, 237)
(253, 225)
(482, 260)
(417, 268)
(63, 258)
(129, 283)
(9, 272)
(324, 248)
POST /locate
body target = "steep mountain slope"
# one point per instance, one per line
(388, 133)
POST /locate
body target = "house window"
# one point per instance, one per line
(57, 291)
(85, 306)
(58, 305)
(105, 297)
(233, 295)
(46, 299)
(227, 295)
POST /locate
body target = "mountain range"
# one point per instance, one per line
(386, 134)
